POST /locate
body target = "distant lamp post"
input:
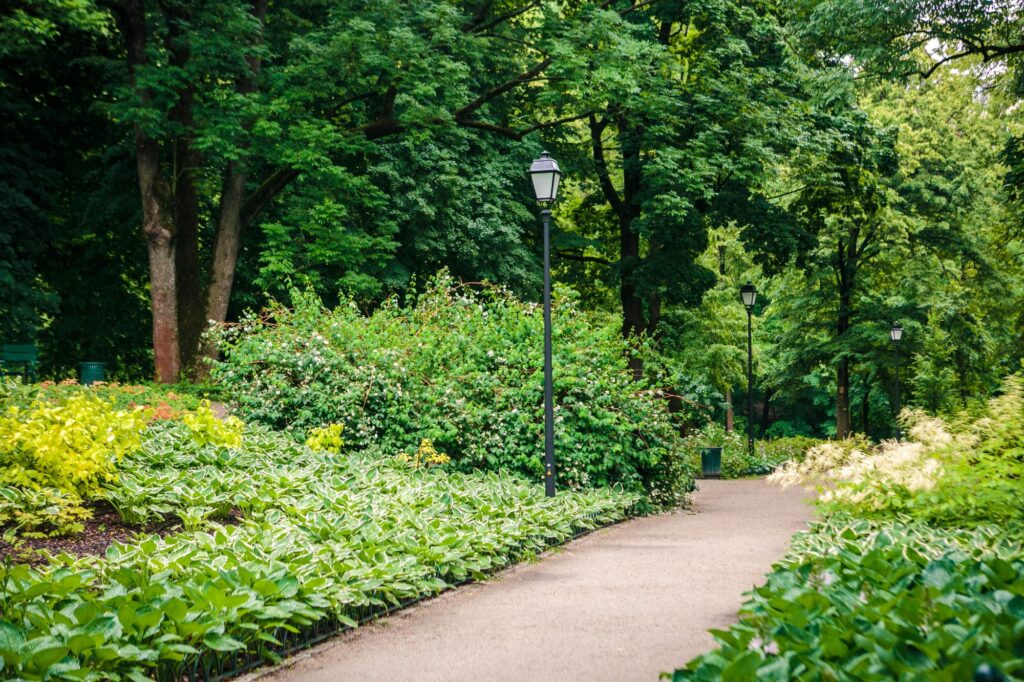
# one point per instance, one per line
(748, 293)
(896, 335)
(545, 175)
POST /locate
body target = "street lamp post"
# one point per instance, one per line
(896, 335)
(748, 293)
(545, 175)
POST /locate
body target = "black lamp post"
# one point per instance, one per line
(545, 175)
(896, 335)
(749, 294)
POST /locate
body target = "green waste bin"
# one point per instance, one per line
(711, 462)
(91, 372)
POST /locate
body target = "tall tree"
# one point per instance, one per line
(233, 103)
(837, 199)
(677, 147)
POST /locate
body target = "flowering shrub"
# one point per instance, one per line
(460, 366)
(945, 472)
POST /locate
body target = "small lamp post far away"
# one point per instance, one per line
(545, 175)
(748, 293)
(896, 335)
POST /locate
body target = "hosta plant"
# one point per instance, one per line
(876, 601)
(320, 535)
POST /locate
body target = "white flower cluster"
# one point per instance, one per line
(864, 475)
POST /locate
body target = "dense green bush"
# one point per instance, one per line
(460, 366)
(869, 601)
(736, 460)
(790, 448)
(320, 535)
(789, 428)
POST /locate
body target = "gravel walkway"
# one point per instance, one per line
(624, 603)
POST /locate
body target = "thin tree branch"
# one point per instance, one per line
(570, 255)
(267, 190)
(501, 19)
(610, 193)
(499, 90)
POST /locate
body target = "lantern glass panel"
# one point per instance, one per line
(749, 294)
(542, 183)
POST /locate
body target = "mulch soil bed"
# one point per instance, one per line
(104, 528)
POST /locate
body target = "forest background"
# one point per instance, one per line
(170, 163)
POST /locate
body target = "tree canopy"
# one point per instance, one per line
(171, 164)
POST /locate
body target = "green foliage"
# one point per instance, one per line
(460, 366)
(985, 466)
(786, 428)
(787, 448)
(321, 535)
(857, 600)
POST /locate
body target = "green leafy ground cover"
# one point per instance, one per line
(916, 571)
(880, 600)
(281, 536)
(462, 367)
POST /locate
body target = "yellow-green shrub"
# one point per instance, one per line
(326, 438)
(207, 429)
(55, 454)
(426, 456)
(73, 445)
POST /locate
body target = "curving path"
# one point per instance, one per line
(624, 603)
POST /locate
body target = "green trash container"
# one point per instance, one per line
(90, 372)
(711, 462)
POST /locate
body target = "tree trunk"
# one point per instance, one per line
(765, 411)
(226, 246)
(843, 399)
(158, 225)
(186, 197)
(728, 411)
(846, 262)
(865, 405)
(158, 228)
(633, 323)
